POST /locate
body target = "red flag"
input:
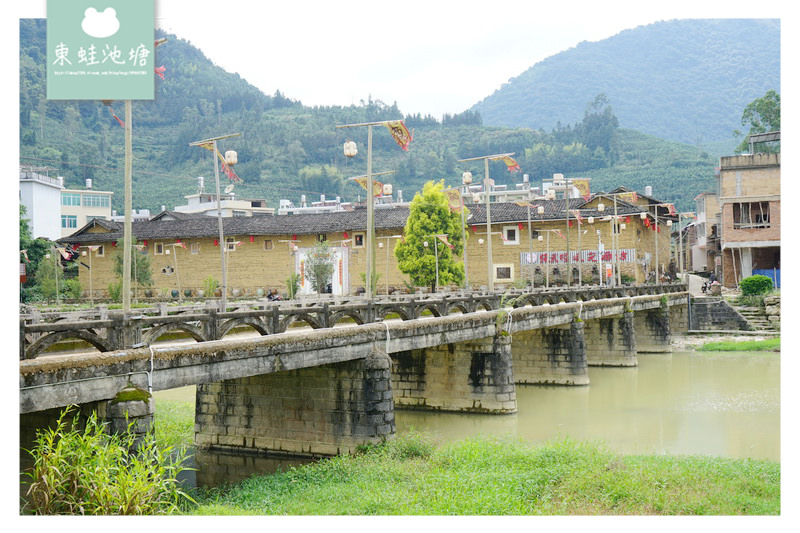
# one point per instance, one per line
(558, 232)
(577, 214)
(160, 71)
(400, 134)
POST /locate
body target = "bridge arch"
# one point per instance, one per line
(286, 323)
(339, 315)
(433, 308)
(50, 339)
(153, 334)
(232, 323)
(402, 312)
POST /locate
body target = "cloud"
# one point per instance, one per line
(100, 25)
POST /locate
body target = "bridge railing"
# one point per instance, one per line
(112, 330)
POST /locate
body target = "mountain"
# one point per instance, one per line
(287, 149)
(680, 80)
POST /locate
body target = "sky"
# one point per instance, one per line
(428, 56)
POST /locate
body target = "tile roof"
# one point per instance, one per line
(312, 223)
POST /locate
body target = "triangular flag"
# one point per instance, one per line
(377, 186)
(443, 238)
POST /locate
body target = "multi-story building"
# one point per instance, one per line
(230, 205)
(81, 206)
(40, 193)
(750, 217)
(705, 244)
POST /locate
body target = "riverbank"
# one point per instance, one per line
(693, 342)
(492, 476)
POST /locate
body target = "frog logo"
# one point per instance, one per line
(100, 25)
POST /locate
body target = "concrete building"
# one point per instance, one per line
(704, 234)
(40, 193)
(81, 206)
(750, 217)
(230, 205)
(527, 247)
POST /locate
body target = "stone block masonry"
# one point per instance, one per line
(552, 356)
(471, 377)
(318, 411)
(611, 341)
(653, 332)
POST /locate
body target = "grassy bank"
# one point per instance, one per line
(485, 476)
(766, 345)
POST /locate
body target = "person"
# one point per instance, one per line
(712, 278)
(273, 295)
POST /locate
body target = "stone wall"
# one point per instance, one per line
(554, 356)
(317, 411)
(474, 377)
(772, 308)
(714, 313)
(611, 341)
(653, 333)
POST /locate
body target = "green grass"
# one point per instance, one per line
(766, 345)
(174, 423)
(488, 476)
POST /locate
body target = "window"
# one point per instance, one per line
(100, 251)
(70, 198)
(510, 235)
(230, 244)
(751, 215)
(322, 237)
(69, 221)
(503, 272)
(158, 248)
(95, 200)
(358, 240)
(194, 248)
(268, 244)
(238, 213)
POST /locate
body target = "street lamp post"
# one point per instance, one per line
(466, 180)
(213, 142)
(350, 145)
(487, 183)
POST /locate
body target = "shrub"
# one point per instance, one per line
(72, 288)
(757, 284)
(293, 285)
(115, 291)
(90, 472)
(210, 285)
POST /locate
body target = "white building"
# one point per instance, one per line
(41, 196)
(230, 205)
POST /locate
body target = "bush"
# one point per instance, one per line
(72, 288)
(757, 284)
(90, 472)
(115, 291)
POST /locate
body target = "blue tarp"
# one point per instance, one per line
(773, 273)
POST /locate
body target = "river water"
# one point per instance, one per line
(724, 404)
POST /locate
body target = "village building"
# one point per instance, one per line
(750, 216)
(528, 247)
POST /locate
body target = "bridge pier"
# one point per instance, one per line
(611, 341)
(317, 411)
(653, 333)
(553, 356)
(471, 377)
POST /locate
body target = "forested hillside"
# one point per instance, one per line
(682, 80)
(286, 149)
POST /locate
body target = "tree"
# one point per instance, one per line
(762, 115)
(34, 251)
(319, 266)
(430, 215)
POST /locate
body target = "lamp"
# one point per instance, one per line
(480, 241)
(669, 223)
(601, 207)
(540, 238)
(591, 220)
(350, 149)
(466, 178)
(643, 215)
(380, 245)
(540, 210)
(425, 244)
(231, 157)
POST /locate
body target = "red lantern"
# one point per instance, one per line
(346, 236)
(252, 238)
(216, 242)
(519, 225)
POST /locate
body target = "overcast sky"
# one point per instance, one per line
(429, 56)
